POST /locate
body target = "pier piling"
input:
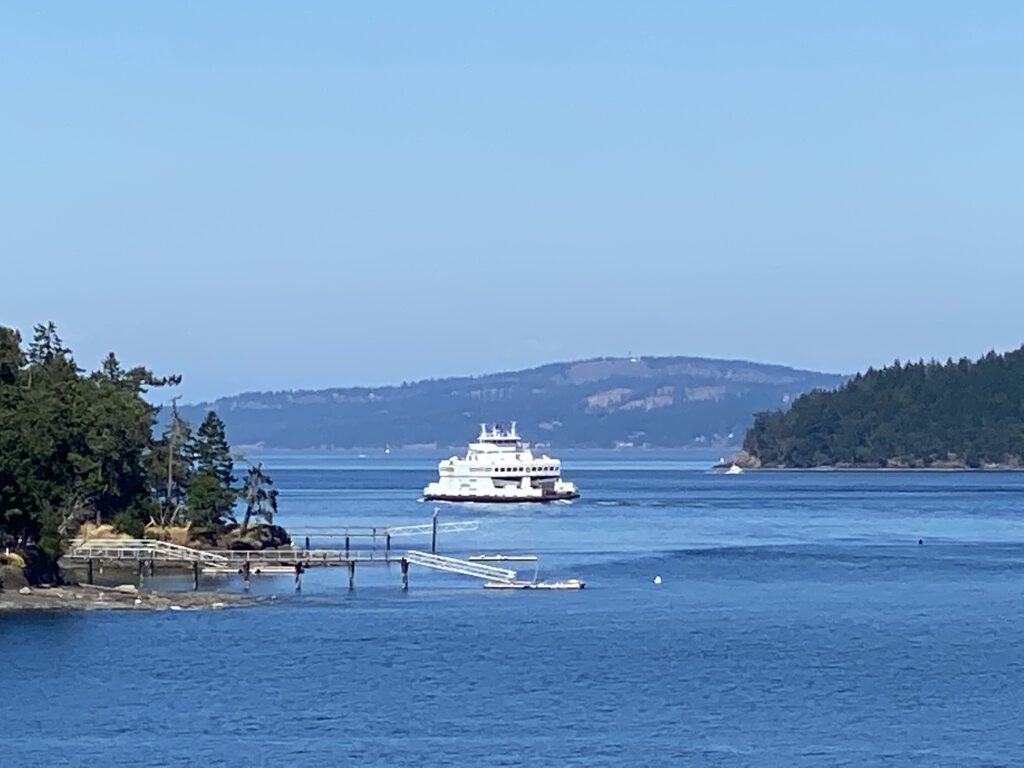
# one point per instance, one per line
(88, 575)
(405, 575)
(195, 576)
(298, 576)
(351, 575)
(245, 575)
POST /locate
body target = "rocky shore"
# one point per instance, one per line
(33, 581)
(124, 597)
(744, 460)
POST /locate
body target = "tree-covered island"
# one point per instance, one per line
(78, 452)
(957, 414)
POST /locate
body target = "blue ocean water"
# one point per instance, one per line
(798, 623)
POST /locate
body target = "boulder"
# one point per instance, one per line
(205, 538)
(269, 536)
(257, 537)
(41, 568)
(744, 460)
(12, 577)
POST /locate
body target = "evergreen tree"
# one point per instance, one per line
(46, 346)
(12, 359)
(211, 497)
(111, 368)
(171, 468)
(211, 450)
(915, 414)
(73, 447)
(259, 498)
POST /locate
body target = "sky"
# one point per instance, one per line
(266, 196)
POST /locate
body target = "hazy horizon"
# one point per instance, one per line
(261, 198)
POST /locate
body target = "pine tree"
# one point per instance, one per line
(211, 450)
(72, 448)
(259, 498)
(46, 346)
(111, 368)
(12, 359)
(211, 496)
(48, 358)
(171, 467)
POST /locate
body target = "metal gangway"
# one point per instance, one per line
(464, 567)
(142, 549)
(423, 530)
(324, 532)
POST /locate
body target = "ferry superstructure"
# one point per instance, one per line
(499, 467)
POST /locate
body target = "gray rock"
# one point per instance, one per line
(24, 591)
(12, 577)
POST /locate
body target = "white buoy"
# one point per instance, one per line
(657, 579)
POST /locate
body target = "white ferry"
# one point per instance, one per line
(498, 467)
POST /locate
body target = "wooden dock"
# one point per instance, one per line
(147, 554)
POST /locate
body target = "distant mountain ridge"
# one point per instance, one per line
(597, 403)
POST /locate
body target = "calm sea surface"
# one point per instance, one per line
(798, 623)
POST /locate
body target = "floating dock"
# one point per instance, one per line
(499, 558)
(567, 584)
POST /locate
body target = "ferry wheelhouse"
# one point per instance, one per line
(499, 467)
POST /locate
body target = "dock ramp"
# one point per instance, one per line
(142, 549)
(464, 567)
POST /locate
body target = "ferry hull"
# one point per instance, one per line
(501, 499)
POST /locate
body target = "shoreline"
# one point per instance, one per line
(835, 468)
(80, 597)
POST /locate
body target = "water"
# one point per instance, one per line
(799, 623)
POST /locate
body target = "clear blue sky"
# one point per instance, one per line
(285, 195)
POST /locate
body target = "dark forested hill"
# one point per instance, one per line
(665, 401)
(924, 414)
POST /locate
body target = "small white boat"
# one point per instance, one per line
(498, 558)
(734, 470)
